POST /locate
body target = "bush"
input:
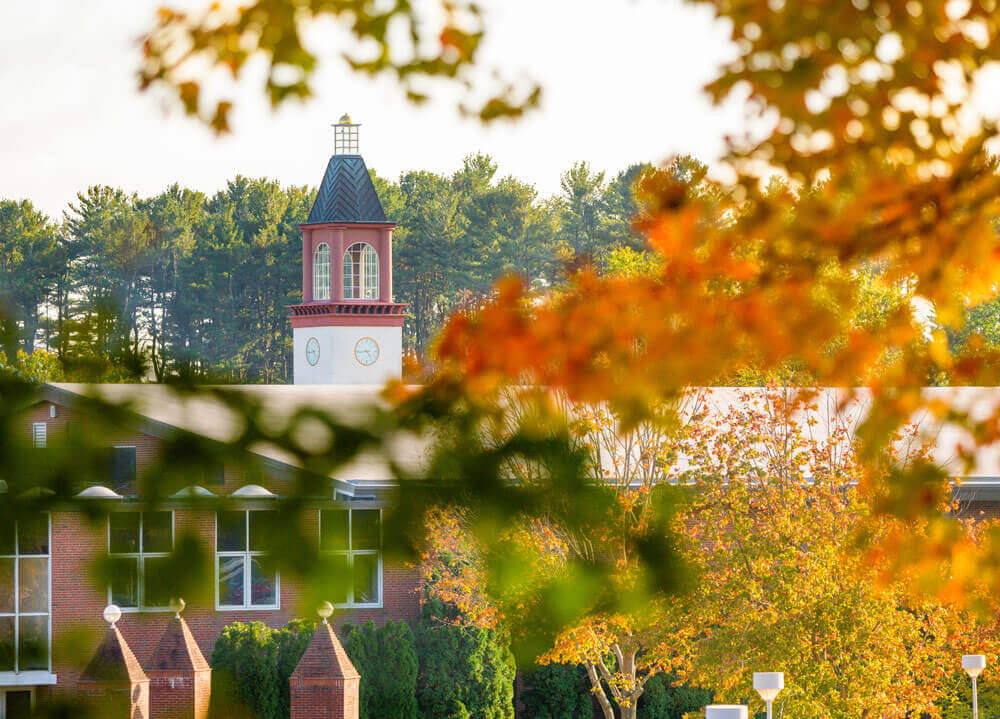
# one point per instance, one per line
(661, 700)
(245, 672)
(464, 671)
(387, 661)
(251, 664)
(557, 691)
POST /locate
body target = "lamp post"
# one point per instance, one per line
(768, 684)
(973, 664)
(726, 711)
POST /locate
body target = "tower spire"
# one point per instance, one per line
(345, 136)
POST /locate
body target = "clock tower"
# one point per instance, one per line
(347, 329)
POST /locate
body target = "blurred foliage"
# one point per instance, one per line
(414, 42)
(386, 659)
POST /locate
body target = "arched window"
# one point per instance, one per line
(361, 272)
(321, 272)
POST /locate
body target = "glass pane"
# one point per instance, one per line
(365, 529)
(124, 532)
(341, 579)
(366, 579)
(156, 581)
(6, 586)
(7, 538)
(6, 644)
(33, 643)
(262, 529)
(125, 581)
(33, 534)
(231, 581)
(232, 532)
(157, 532)
(262, 584)
(333, 523)
(122, 469)
(34, 584)
(18, 704)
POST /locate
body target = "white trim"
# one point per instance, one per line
(247, 555)
(10, 680)
(350, 552)
(141, 556)
(35, 428)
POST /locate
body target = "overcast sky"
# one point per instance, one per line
(622, 83)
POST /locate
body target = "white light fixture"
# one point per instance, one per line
(112, 614)
(726, 711)
(973, 664)
(768, 684)
(325, 611)
(177, 605)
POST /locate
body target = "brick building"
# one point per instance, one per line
(347, 341)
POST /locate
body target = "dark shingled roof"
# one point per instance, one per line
(347, 193)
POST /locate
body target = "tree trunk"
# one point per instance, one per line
(602, 698)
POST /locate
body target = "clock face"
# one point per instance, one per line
(312, 351)
(366, 351)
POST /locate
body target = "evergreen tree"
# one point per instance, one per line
(387, 661)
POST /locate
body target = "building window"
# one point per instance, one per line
(353, 537)
(361, 272)
(139, 544)
(122, 469)
(245, 578)
(24, 595)
(321, 272)
(39, 434)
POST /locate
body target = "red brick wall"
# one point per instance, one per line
(321, 698)
(179, 695)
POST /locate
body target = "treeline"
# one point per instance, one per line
(183, 282)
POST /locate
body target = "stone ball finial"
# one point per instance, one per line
(177, 605)
(112, 613)
(325, 611)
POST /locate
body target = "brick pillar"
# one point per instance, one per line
(180, 680)
(113, 681)
(325, 684)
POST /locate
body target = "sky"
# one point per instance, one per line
(621, 83)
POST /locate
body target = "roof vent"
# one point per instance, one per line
(193, 491)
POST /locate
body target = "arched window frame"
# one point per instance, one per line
(361, 272)
(321, 272)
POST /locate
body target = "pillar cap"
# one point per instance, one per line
(325, 658)
(114, 662)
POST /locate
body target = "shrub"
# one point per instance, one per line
(557, 691)
(251, 664)
(245, 672)
(661, 700)
(463, 670)
(387, 661)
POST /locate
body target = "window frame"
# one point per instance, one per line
(35, 427)
(317, 264)
(247, 556)
(17, 613)
(135, 476)
(141, 556)
(350, 552)
(357, 284)
(5, 690)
